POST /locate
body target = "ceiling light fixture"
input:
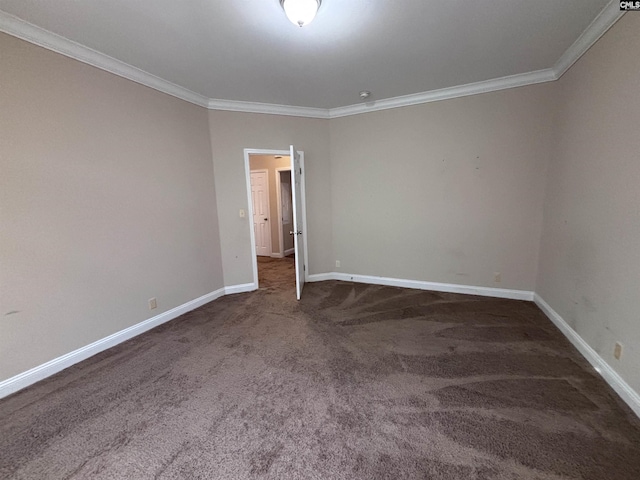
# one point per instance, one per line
(300, 12)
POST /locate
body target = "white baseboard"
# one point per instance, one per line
(320, 277)
(242, 288)
(420, 285)
(286, 253)
(622, 388)
(23, 380)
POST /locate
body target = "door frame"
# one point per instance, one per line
(247, 174)
(268, 185)
(279, 170)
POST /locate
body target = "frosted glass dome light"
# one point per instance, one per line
(300, 12)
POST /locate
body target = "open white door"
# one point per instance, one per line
(298, 240)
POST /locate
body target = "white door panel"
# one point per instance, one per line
(298, 227)
(260, 205)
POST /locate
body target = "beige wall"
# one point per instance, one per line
(590, 256)
(270, 163)
(231, 133)
(446, 192)
(106, 200)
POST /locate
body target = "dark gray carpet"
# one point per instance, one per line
(354, 382)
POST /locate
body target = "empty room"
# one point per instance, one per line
(318, 239)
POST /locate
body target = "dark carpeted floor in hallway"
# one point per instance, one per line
(277, 274)
(352, 382)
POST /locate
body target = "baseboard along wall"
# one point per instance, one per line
(615, 381)
(25, 379)
(242, 288)
(622, 388)
(420, 285)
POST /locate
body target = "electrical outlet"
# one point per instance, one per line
(497, 277)
(242, 213)
(338, 263)
(153, 303)
(617, 351)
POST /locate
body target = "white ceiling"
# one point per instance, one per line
(247, 50)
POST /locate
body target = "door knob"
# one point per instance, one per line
(266, 219)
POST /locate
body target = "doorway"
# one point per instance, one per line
(277, 210)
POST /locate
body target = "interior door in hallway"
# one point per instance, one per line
(260, 203)
(298, 228)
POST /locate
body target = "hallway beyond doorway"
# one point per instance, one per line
(277, 273)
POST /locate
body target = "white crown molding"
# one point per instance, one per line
(487, 86)
(421, 285)
(609, 15)
(603, 22)
(51, 41)
(23, 380)
(493, 85)
(268, 108)
(33, 34)
(622, 388)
